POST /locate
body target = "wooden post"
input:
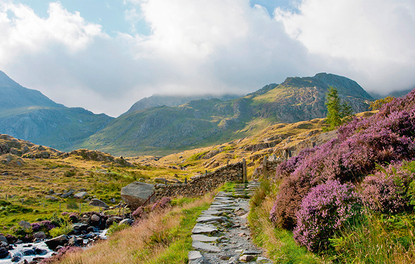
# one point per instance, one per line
(264, 167)
(80, 209)
(59, 206)
(244, 174)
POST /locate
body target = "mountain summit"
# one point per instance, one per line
(13, 95)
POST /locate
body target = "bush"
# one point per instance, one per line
(115, 227)
(383, 138)
(323, 212)
(386, 191)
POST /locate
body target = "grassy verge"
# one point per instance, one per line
(165, 237)
(278, 243)
(377, 239)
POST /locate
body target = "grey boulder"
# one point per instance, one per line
(137, 193)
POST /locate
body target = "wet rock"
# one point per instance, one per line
(39, 235)
(79, 227)
(4, 252)
(75, 241)
(95, 218)
(17, 256)
(57, 241)
(127, 221)
(3, 239)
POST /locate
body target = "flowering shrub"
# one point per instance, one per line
(161, 204)
(44, 225)
(138, 212)
(386, 191)
(383, 138)
(323, 211)
(61, 252)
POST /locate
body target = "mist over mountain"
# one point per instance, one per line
(165, 124)
(175, 100)
(161, 130)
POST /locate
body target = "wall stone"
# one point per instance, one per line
(202, 184)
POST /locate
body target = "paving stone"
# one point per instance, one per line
(206, 219)
(205, 247)
(195, 257)
(204, 229)
(204, 238)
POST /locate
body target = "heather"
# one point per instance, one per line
(366, 171)
(325, 209)
(362, 144)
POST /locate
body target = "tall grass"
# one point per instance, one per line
(377, 239)
(164, 237)
(279, 243)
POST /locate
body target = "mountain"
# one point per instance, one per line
(175, 100)
(28, 114)
(163, 130)
(14, 96)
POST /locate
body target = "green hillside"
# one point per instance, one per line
(164, 130)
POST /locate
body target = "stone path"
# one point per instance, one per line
(222, 235)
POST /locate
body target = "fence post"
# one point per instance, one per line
(244, 176)
(264, 167)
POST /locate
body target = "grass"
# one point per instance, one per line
(164, 237)
(376, 239)
(278, 243)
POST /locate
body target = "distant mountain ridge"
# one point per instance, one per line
(162, 130)
(175, 100)
(13, 95)
(28, 114)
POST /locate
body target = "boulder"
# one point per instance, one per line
(136, 193)
(4, 252)
(3, 239)
(80, 195)
(39, 235)
(51, 197)
(57, 241)
(98, 202)
(126, 221)
(95, 218)
(25, 224)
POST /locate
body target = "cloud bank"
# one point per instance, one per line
(205, 46)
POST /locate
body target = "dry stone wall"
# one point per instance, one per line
(202, 184)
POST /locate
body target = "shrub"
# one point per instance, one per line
(383, 138)
(138, 213)
(323, 212)
(161, 204)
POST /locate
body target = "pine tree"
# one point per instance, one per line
(336, 111)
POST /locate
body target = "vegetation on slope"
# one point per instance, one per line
(351, 199)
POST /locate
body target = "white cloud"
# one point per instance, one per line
(374, 37)
(205, 46)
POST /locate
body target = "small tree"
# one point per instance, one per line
(379, 103)
(337, 111)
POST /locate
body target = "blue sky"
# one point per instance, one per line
(106, 55)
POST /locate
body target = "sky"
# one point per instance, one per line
(104, 55)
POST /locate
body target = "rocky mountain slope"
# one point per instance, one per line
(163, 130)
(175, 100)
(28, 114)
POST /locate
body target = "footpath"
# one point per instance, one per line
(222, 234)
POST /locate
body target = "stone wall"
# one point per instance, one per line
(202, 184)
